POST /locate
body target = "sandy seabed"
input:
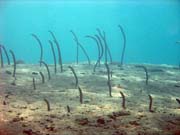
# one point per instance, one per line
(23, 110)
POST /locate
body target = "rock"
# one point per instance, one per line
(35, 73)
(121, 113)
(134, 123)
(50, 128)
(28, 132)
(177, 85)
(82, 121)
(112, 117)
(20, 62)
(100, 121)
(4, 102)
(18, 119)
(8, 72)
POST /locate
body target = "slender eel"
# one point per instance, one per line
(146, 71)
(58, 49)
(42, 76)
(54, 56)
(48, 104)
(47, 68)
(87, 56)
(82, 48)
(178, 100)
(150, 103)
(5, 51)
(75, 76)
(98, 46)
(14, 61)
(77, 47)
(68, 109)
(34, 84)
(41, 47)
(178, 42)
(124, 44)
(109, 79)
(107, 50)
(105, 45)
(123, 100)
(1, 57)
(80, 95)
(102, 52)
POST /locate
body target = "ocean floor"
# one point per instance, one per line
(23, 110)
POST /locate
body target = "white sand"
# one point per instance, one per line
(24, 110)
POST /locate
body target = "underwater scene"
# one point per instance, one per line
(87, 67)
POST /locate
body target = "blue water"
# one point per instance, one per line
(152, 28)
